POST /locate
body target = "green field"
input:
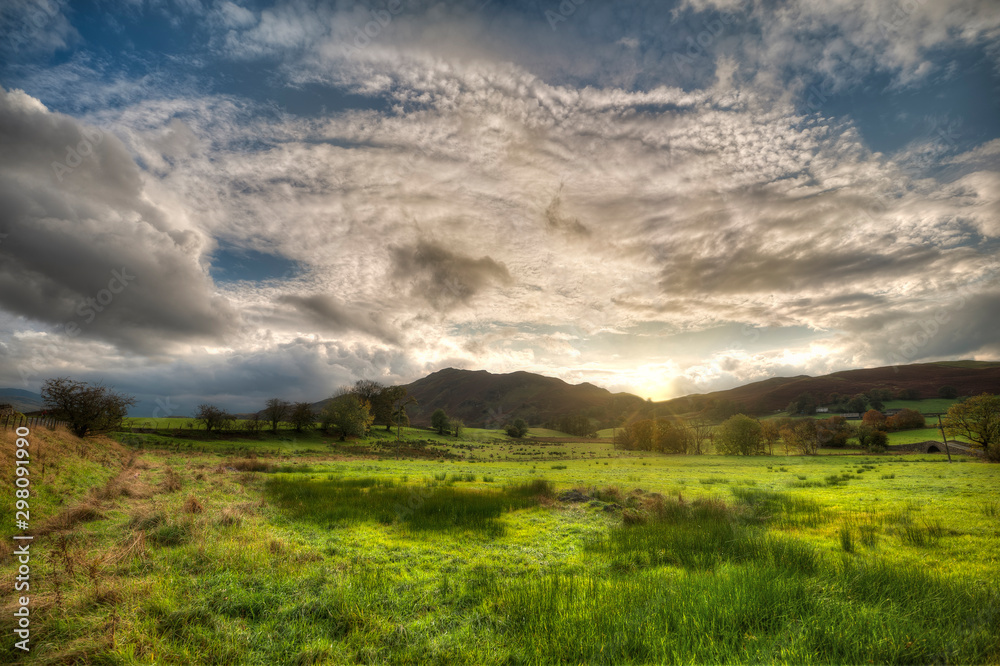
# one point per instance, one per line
(282, 554)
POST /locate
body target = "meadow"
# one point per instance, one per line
(261, 552)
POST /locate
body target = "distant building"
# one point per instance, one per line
(822, 410)
(852, 416)
(892, 412)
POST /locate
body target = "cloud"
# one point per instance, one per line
(334, 316)
(443, 277)
(87, 247)
(485, 191)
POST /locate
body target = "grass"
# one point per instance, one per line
(297, 553)
(335, 502)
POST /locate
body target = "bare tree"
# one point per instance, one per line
(89, 409)
(213, 418)
(302, 416)
(254, 425)
(275, 412)
(701, 431)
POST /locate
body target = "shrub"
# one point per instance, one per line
(906, 419)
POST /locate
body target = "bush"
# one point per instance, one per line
(517, 429)
(872, 439)
(906, 419)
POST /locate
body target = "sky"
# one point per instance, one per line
(221, 201)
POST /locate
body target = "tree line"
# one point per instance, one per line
(976, 419)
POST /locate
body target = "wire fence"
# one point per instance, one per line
(15, 420)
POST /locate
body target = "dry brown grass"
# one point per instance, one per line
(172, 482)
(84, 512)
(146, 519)
(250, 465)
(230, 516)
(192, 505)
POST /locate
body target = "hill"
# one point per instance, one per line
(23, 401)
(968, 378)
(485, 400)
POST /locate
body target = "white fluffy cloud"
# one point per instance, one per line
(492, 212)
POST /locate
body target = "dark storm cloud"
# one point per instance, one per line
(85, 245)
(442, 277)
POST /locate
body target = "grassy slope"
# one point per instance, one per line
(198, 564)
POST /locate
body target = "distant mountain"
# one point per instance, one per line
(483, 399)
(480, 398)
(21, 400)
(968, 378)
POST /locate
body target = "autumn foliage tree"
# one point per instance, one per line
(905, 419)
(874, 419)
(978, 420)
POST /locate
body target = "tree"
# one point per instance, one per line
(858, 403)
(399, 416)
(905, 419)
(350, 414)
(770, 431)
(700, 431)
(88, 409)
(804, 404)
(254, 424)
(978, 420)
(801, 435)
(907, 394)
(386, 403)
(517, 429)
(871, 438)
(372, 392)
(833, 432)
(877, 397)
(949, 392)
(874, 419)
(741, 435)
(275, 412)
(301, 416)
(671, 436)
(213, 418)
(439, 421)
(457, 427)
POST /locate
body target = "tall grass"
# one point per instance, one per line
(849, 612)
(336, 501)
(704, 534)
